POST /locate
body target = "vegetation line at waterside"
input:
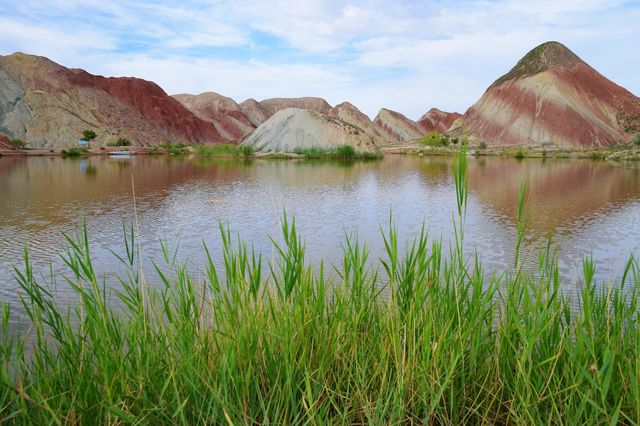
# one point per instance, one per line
(342, 152)
(423, 336)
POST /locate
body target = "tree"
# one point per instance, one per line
(89, 135)
(636, 140)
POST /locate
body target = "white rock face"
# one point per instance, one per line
(292, 128)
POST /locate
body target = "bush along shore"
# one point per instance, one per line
(435, 143)
(342, 152)
(423, 337)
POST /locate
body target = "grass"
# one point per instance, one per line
(73, 152)
(346, 152)
(277, 342)
(224, 150)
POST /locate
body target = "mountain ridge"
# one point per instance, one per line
(552, 97)
(549, 97)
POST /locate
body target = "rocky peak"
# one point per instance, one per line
(549, 55)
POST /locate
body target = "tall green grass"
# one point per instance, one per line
(346, 152)
(224, 150)
(424, 336)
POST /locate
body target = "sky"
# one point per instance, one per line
(408, 56)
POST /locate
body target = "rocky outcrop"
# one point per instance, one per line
(291, 129)
(553, 97)
(436, 120)
(225, 114)
(254, 112)
(46, 104)
(352, 115)
(394, 127)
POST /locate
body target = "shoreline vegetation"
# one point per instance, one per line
(342, 152)
(436, 143)
(424, 336)
(628, 152)
(432, 144)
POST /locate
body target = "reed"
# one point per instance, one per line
(342, 152)
(424, 335)
(224, 150)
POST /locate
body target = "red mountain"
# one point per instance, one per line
(254, 111)
(350, 114)
(394, 127)
(225, 114)
(553, 97)
(271, 106)
(46, 104)
(5, 143)
(436, 120)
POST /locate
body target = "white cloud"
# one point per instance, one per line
(406, 55)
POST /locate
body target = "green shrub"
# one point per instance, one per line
(519, 154)
(346, 151)
(174, 149)
(636, 140)
(435, 139)
(19, 143)
(73, 152)
(482, 145)
(89, 135)
(120, 142)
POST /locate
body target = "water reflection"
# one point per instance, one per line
(589, 207)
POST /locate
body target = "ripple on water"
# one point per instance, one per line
(586, 208)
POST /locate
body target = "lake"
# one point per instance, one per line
(586, 207)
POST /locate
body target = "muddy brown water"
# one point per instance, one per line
(586, 207)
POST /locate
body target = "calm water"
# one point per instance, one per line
(588, 207)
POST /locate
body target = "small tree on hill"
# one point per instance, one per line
(636, 140)
(89, 135)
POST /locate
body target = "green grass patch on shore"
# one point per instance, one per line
(422, 336)
(345, 152)
(73, 152)
(19, 143)
(224, 150)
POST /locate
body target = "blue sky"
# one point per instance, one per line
(403, 55)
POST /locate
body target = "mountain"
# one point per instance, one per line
(352, 115)
(293, 128)
(394, 127)
(254, 111)
(436, 120)
(553, 97)
(225, 114)
(46, 104)
(273, 105)
(259, 112)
